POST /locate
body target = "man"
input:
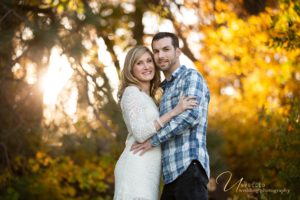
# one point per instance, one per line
(185, 159)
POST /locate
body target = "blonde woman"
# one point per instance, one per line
(137, 176)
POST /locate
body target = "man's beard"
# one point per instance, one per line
(168, 65)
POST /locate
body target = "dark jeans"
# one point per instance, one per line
(191, 185)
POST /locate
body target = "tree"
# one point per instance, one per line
(255, 88)
(29, 31)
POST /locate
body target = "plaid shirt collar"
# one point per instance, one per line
(174, 75)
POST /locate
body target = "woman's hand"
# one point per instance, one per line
(184, 104)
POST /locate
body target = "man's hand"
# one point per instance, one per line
(141, 147)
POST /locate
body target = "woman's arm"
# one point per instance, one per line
(183, 104)
(134, 115)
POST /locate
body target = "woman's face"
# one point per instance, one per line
(144, 69)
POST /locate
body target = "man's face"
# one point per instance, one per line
(165, 55)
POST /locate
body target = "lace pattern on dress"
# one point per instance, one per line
(133, 109)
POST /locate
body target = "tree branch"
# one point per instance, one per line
(95, 110)
(113, 55)
(185, 49)
(6, 155)
(13, 11)
(4, 16)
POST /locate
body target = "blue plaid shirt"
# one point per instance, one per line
(183, 139)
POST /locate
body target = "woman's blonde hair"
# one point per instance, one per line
(127, 77)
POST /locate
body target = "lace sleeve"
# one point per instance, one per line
(134, 115)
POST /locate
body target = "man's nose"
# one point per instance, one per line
(160, 54)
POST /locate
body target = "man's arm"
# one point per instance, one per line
(194, 85)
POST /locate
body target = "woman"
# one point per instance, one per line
(137, 177)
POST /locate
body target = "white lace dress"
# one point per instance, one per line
(138, 177)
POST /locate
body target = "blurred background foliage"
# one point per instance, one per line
(62, 142)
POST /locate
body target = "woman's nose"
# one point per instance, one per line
(147, 65)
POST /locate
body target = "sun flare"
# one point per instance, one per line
(57, 76)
